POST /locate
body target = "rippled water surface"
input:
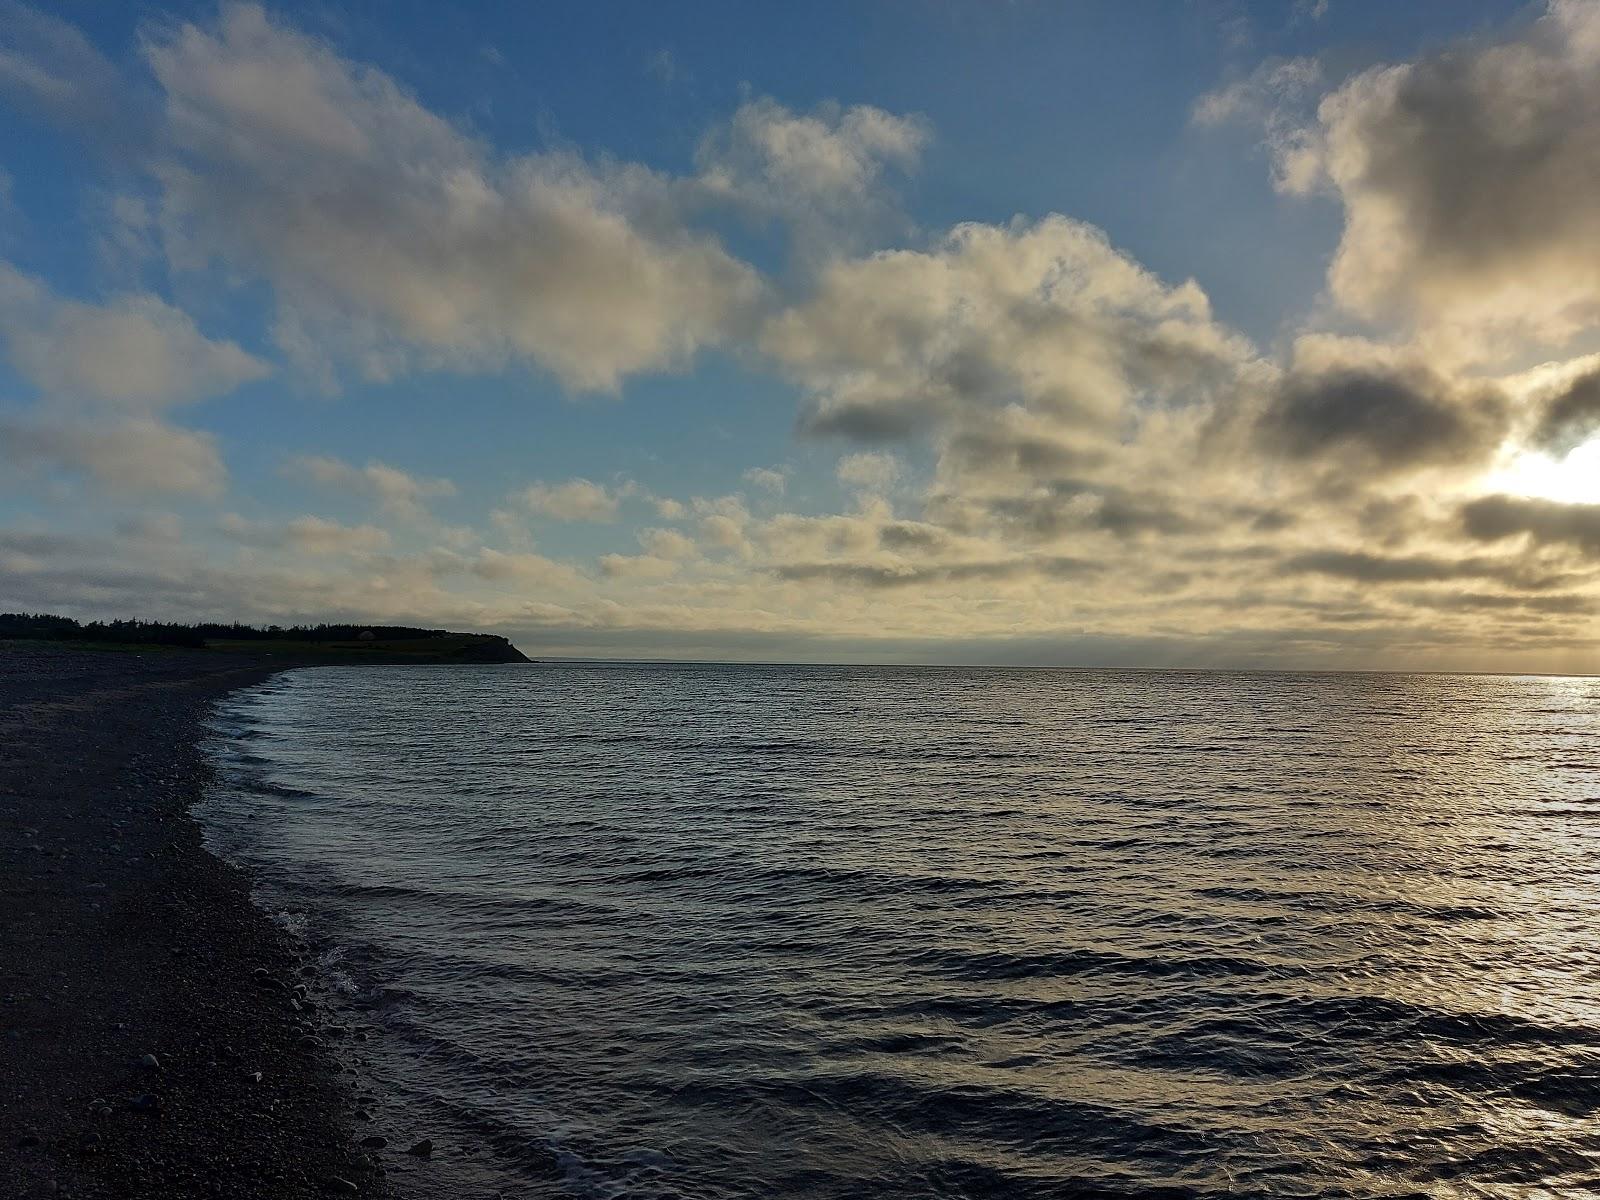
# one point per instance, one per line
(667, 931)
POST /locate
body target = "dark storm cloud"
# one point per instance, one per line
(1391, 420)
(1547, 522)
(1571, 417)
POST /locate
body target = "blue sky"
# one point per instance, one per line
(937, 331)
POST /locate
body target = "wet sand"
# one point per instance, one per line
(121, 938)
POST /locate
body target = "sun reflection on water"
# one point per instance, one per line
(824, 933)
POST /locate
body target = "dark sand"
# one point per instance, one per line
(120, 936)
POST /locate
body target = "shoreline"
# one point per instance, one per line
(122, 936)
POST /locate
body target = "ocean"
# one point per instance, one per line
(640, 930)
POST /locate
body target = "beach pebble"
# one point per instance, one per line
(146, 1102)
(375, 1141)
(422, 1149)
(339, 1186)
(150, 1062)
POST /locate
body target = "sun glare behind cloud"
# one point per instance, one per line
(1573, 478)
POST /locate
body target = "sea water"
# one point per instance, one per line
(632, 930)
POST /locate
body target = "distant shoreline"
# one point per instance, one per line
(307, 644)
(124, 937)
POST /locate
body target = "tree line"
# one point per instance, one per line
(49, 627)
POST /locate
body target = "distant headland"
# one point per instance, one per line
(302, 643)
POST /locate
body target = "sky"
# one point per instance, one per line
(1196, 333)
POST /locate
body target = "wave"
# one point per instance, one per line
(998, 965)
(823, 934)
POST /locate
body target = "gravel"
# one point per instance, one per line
(140, 1056)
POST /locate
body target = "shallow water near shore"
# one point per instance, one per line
(725, 931)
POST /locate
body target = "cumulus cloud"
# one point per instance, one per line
(1014, 443)
(574, 500)
(391, 237)
(1572, 604)
(1110, 470)
(637, 566)
(771, 479)
(723, 532)
(1382, 417)
(523, 568)
(1365, 567)
(133, 455)
(824, 172)
(871, 470)
(1274, 96)
(1468, 182)
(1063, 508)
(724, 522)
(1570, 417)
(305, 535)
(1046, 314)
(1065, 390)
(397, 492)
(911, 575)
(1545, 522)
(667, 543)
(136, 351)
